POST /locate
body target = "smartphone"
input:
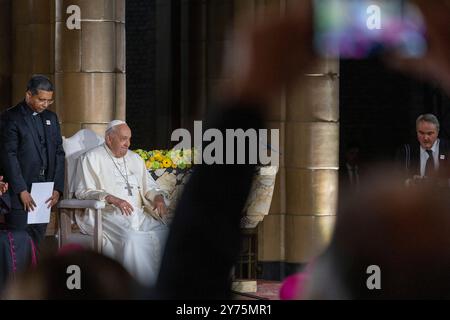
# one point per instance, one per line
(358, 29)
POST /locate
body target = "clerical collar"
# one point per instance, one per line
(30, 110)
(111, 153)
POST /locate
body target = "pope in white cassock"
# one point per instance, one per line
(133, 231)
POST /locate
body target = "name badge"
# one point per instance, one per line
(442, 157)
(47, 122)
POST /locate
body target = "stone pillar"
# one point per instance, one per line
(312, 161)
(202, 47)
(193, 61)
(5, 54)
(33, 43)
(90, 65)
(302, 214)
(220, 14)
(271, 231)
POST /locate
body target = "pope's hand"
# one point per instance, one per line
(125, 207)
(159, 205)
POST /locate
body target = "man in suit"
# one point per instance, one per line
(349, 170)
(32, 151)
(429, 156)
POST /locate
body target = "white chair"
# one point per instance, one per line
(74, 147)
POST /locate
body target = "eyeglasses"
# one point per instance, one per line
(44, 101)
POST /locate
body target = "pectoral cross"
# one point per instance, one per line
(128, 187)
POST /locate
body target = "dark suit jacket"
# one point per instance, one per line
(21, 156)
(408, 156)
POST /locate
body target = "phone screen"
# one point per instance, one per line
(357, 29)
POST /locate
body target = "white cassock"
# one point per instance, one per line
(137, 240)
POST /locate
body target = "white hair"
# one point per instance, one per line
(428, 117)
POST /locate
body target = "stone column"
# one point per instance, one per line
(312, 161)
(271, 231)
(302, 213)
(203, 42)
(33, 43)
(5, 54)
(90, 65)
(193, 61)
(303, 208)
(220, 14)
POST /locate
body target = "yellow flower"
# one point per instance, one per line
(141, 153)
(167, 163)
(173, 158)
(156, 165)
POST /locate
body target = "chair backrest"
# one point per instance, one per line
(81, 142)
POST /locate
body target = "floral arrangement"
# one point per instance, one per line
(164, 159)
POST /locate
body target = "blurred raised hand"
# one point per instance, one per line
(435, 65)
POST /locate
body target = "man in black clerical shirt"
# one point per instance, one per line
(32, 151)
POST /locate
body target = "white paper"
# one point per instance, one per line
(40, 192)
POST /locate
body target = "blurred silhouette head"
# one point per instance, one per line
(99, 278)
(403, 231)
